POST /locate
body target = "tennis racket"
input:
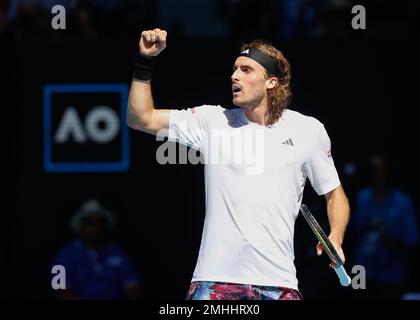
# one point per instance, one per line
(345, 280)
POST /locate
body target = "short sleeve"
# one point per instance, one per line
(188, 126)
(320, 167)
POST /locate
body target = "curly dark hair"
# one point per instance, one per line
(279, 97)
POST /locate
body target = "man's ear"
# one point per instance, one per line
(271, 82)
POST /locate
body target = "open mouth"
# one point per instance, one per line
(236, 89)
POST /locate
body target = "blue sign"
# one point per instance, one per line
(85, 128)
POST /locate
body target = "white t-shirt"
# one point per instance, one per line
(254, 187)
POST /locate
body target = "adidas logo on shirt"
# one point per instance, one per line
(289, 142)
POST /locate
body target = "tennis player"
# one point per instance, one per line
(253, 193)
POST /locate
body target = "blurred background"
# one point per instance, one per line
(75, 176)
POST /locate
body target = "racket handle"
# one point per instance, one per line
(345, 280)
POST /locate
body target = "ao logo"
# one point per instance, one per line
(71, 126)
(84, 128)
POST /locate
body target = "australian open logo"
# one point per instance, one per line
(84, 128)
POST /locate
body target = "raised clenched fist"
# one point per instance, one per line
(152, 42)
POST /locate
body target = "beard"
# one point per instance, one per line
(251, 102)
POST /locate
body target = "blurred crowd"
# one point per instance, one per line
(383, 233)
(238, 19)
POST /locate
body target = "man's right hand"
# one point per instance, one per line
(152, 42)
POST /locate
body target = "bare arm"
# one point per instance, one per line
(338, 209)
(338, 213)
(141, 113)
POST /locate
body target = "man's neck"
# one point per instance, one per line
(257, 114)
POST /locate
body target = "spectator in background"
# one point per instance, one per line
(316, 18)
(299, 17)
(90, 19)
(385, 229)
(96, 268)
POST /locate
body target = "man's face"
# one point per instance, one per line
(93, 228)
(249, 85)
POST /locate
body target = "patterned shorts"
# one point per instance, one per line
(208, 290)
